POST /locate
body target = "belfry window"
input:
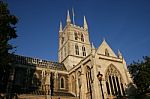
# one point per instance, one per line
(114, 83)
(62, 82)
(76, 36)
(77, 49)
(83, 51)
(82, 37)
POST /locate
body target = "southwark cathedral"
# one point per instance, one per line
(82, 71)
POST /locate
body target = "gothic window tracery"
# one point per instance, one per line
(114, 82)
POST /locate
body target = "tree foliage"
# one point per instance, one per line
(141, 75)
(7, 32)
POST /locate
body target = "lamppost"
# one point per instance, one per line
(99, 76)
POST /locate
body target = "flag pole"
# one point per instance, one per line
(73, 16)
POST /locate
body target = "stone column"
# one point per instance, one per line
(104, 87)
(83, 83)
(77, 83)
(96, 83)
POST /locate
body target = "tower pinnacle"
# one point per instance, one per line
(60, 28)
(68, 18)
(93, 50)
(85, 24)
(93, 47)
(119, 54)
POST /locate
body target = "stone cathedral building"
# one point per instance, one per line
(82, 71)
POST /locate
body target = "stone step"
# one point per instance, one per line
(44, 97)
(64, 97)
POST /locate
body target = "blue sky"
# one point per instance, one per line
(125, 24)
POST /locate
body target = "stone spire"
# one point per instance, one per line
(68, 18)
(104, 39)
(60, 27)
(119, 54)
(85, 26)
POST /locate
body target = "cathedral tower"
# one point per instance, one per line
(74, 43)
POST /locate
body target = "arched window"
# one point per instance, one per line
(75, 36)
(82, 37)
(114, 83)
(88, 78)
(62, 40)
(77, 49)
(62, 82)
(106, 52)
(83, 51)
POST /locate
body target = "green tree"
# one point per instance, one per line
(7, 33)
(141, 75)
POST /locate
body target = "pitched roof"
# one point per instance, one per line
(29, 61)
